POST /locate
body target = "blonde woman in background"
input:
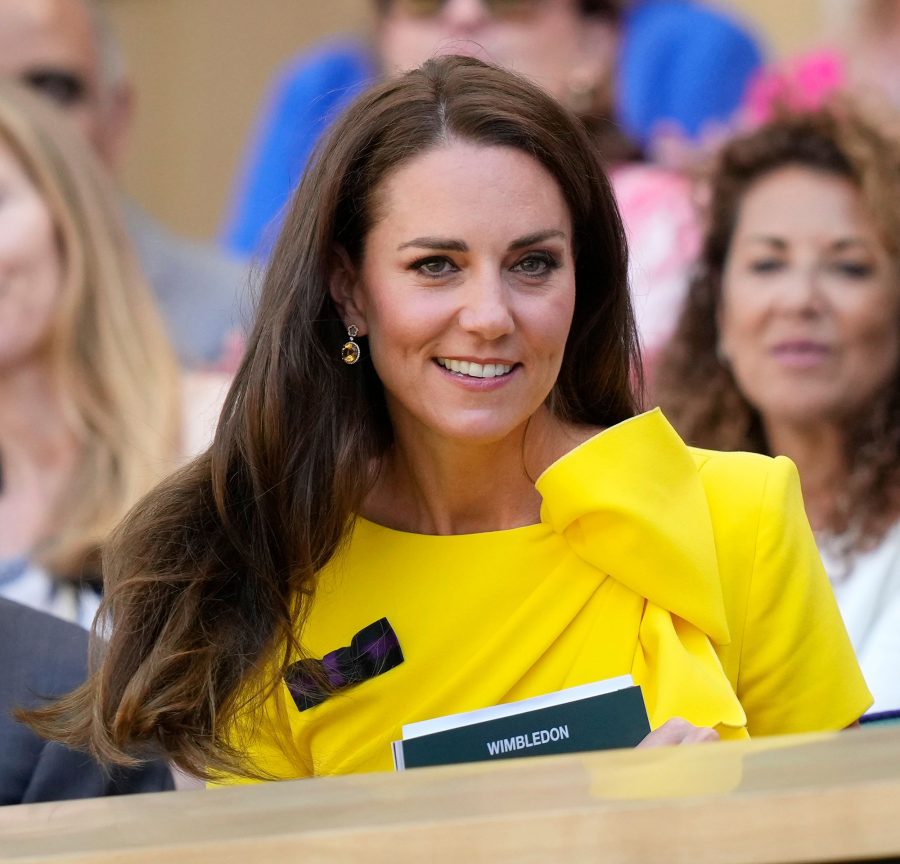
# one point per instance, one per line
(90, 411)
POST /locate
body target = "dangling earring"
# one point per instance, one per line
(350, 350)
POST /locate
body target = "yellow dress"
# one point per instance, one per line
(694, 571)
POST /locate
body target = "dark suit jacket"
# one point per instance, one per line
(41, 656)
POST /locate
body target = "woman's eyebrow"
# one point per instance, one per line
(448, 245)
(848, 243)
(769, 240)
(435, 243)
(537, 237)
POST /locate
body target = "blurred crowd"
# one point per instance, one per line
(762, 207)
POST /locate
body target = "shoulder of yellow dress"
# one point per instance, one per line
(639, 458)
(651, 422)
(736, 459)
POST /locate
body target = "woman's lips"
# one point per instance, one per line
(475, 368)
(478, 376)
(801, 353)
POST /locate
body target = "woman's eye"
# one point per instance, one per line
(766, 265)
(853, 269)
(536, 264)
(434, 266)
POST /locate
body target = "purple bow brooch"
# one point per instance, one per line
(371, 652)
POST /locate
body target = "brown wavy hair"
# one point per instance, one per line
(209, 578)
(846, 138)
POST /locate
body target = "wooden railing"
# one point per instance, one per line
(800, 799)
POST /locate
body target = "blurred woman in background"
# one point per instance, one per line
(89, 386)
(790, 344)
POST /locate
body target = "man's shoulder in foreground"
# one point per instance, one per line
(42, 657)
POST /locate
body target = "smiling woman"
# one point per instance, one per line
(790, 344)
(466, 327)
(473, 507)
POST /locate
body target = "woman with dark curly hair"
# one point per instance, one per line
(790, 344)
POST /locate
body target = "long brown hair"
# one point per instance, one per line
(699, 393)
(114, 371)
(208, 580)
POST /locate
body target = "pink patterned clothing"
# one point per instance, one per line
(802, 84)
(658, 209)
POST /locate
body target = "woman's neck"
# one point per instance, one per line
(37, 454)
(435, 486)
(817, 449)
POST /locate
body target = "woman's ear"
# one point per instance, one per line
(345, 287)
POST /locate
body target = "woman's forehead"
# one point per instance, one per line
(462, 183)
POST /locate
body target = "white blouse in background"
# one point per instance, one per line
(32, 586)
(869, 598)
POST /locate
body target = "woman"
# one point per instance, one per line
(89, 391)
(790, 344)
(446, 319)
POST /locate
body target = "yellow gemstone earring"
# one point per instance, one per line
(350, 350)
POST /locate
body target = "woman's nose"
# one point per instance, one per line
(802, 293)
(485, 310)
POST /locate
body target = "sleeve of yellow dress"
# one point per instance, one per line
(798, 669)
